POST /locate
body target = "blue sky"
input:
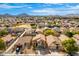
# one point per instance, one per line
(39, 8)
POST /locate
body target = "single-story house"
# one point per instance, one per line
(39, 41)
(52, 42)
(63, 37)
(8, 38)
(76, 38)
(39, 30)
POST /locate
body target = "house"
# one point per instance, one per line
(39, 30)
(2, 28)
(14, 31)
(39, 41)
(63, 29)
(56, 29)
(76, 38)
(63, 37)
(52, 42)
(8, 38)
(41, 25)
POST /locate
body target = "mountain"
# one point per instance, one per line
(6, 15)
(72, 15)
(23, 15)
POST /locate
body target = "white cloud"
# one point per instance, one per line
(51, 11)
(51, 3)
(9, 6)
(6, 6)
(42, 10)
(71, 7)
(29, 7)
(45, 11)
(75, 7)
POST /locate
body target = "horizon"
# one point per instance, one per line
(39, 9)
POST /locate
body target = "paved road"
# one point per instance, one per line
(24, 39)
(18, 40)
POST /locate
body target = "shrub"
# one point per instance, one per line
(70, 46)
(69, 34)
(34, 26)
(2, 44)
(3, 32)
(49, 32)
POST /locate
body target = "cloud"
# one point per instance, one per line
(29, 7)
(68, 9)
(9, 6)
(45, 11)
(46, 8)
(72, 7)
(75, 7)
(6, 6)
(51, 11)
(51, 3)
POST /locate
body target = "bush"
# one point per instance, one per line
(70, 46)
(2, 44)
(50, 23)
(69, 34)
(34, 26)
(3, 32)
(77, 32)
(49, 32)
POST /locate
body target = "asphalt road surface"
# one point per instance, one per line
(22, 40)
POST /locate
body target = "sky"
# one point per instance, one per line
(39, 8)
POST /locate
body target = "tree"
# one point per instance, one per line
(69, 34)
(34, 26)
(2, 44)
(3, 32)
(77, 32)
(50, 23)
(70, 46)
(47, 32)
